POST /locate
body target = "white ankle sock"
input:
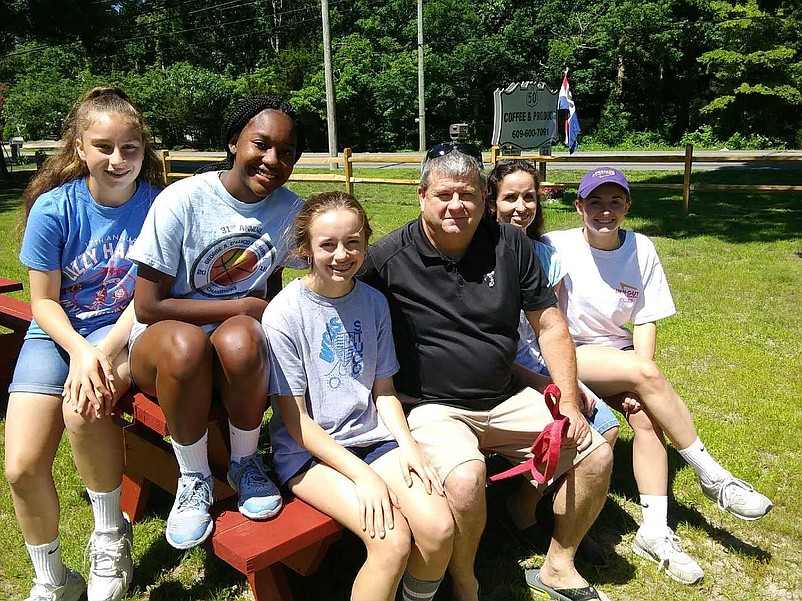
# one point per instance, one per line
(106, 508)
(194, 458)
(707, 468)
(243, 442)
(47, 563)
(655, 514)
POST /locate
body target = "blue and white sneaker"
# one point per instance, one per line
(189, 522)
(259, 498)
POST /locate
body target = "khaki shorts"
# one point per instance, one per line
(450, 436)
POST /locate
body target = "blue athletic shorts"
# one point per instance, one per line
(368, 454)
(42, 365)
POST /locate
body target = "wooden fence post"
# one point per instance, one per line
(686, 184)
(165, 160)
(349, 171)
(493, 156)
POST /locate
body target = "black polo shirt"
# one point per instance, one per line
(455, 323)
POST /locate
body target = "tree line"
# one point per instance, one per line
(643, 72)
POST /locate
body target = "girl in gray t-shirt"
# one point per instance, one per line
(340, 438)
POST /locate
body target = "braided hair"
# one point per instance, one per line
(245, 110)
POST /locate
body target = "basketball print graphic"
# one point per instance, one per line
(234, 265)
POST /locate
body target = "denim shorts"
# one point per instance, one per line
(42, 365)
(602, 418)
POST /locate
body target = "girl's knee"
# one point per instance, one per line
(640, 422)
(24, 477)
(184, 351)
(392, 551)
(649, 374)
(435, 531)
(241, 346)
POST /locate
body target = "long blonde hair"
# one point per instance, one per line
(66, 165)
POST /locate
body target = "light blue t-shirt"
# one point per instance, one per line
(213, 245)
(331, 351)
(67, 230)
(528, 353)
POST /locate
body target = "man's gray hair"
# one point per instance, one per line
(454, 164)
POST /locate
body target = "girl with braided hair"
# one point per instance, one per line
(210, 249)
(85, 208)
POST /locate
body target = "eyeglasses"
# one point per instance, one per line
(439, 150)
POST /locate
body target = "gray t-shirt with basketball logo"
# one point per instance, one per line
(215, 246)
(330, 351)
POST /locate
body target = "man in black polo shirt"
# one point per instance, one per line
(456, 284)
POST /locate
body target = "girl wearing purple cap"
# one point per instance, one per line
(614, 277)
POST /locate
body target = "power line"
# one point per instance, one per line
(43, 47)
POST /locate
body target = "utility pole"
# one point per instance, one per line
(421, 101)
(331, 117)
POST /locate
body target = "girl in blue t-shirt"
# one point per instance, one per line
(340, 438)
(85, 207)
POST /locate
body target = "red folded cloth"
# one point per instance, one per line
(546, 448)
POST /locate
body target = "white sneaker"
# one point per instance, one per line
(111, 566)
(664, 550)
(72, 589)
(737, 497)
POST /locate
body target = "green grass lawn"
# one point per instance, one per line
(733, 351)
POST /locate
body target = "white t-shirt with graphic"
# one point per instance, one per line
(215, 246)
(331, 351)
(606, 289)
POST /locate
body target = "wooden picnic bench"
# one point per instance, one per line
(297, 538)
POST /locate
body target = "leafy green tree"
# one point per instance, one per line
(756, 72)
(42, 96)
(184, 105)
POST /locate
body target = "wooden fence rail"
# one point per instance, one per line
(345, 162)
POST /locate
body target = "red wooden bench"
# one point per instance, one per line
(297, 538)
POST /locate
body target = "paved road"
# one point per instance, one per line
(703, 160)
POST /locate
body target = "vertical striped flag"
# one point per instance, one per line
(565, 102)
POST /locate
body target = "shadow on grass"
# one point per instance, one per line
(730, 216)
(219, 580)
(623, 483)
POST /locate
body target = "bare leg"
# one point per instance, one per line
(241, 370)
(33, 431)
(173, 360)
(429, 518)
(649, 457)
(521, 505)
(465, 491)
(332, 493)
(609, 372)
(577, 503)
(97, 443)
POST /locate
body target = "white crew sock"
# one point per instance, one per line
(194, 458)
(243, 442)
(707, 468)
(47, 563)
(655, 514)
(106, 508)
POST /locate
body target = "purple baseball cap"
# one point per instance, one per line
(598, 176)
